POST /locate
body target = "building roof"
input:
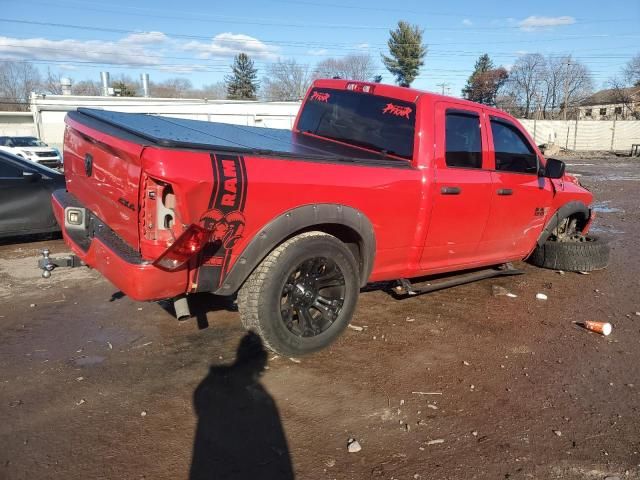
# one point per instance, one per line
(612, 96)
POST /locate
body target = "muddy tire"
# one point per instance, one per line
(585, 256)
(303, 294)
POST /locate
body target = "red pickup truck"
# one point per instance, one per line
(373, 183)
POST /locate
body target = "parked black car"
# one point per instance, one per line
(25, 196)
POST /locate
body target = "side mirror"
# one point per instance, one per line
(554, 168)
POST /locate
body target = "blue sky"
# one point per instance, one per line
(197, 39)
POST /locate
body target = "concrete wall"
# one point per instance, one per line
(16, 124)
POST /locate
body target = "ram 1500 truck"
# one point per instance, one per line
(373, 183)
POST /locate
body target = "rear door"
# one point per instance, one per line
(25, 201)
(461, 197)
(520, 198)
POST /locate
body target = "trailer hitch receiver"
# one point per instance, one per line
(48, 264)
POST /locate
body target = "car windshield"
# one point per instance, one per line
(382, 124)
(27, 142)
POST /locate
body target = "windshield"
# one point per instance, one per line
(378, 123)
(27, 142)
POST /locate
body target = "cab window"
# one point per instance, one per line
(383, 124)
(463, 140)
(513, 151)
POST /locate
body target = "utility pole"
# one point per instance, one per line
(566, 89)
(443, 85)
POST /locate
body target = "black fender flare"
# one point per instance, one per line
(300, 219)
(568, 209)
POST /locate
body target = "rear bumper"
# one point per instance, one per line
(101, 248)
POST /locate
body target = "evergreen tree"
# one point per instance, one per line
(483, 84)
(124, 89)
(242, 84)
(406, 53)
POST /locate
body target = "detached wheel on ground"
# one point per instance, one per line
(302, 295)
(580, 254)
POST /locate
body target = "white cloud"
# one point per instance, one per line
(467, 22)
(145, 38)
(183, 69)
(534, 22)
(121, 52)
(318, 52)
(362, 46)
(230, 44)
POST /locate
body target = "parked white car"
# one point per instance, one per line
(31, 148)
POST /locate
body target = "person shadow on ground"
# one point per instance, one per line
(239, 434)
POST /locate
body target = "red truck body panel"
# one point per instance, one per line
(419, 229)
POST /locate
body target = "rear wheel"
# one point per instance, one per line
(302, 295)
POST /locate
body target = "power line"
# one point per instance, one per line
(245, 22)
(204, 17)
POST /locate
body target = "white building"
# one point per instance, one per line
(611, 104)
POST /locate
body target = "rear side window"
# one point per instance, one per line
(463, 140)
(378, 123)
(8, 170)
(513, 151)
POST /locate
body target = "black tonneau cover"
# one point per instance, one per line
(182, 133)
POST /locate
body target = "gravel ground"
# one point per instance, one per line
(458, 384)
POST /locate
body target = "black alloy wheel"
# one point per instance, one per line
(302, 295)
(312, 297)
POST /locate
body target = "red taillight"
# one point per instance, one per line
(192, 240)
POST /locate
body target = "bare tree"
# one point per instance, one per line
(214, 91)
(86, 87)
(351, 67)
(577, 85)
(285, 80)
(17, 81)
(52, 83)
(525, 80)
(176, 87)
(507, 101)
(632, 71)
(550, 95)
(623, 96)
(549, 86)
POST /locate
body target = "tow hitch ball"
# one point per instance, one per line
(47, 264)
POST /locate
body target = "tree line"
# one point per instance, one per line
(535, 86)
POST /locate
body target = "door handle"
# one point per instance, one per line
(505, 191)
(450, 190)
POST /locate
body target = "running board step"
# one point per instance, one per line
(404, 289)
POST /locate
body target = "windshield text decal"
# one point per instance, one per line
(397, 110)
(320, 97)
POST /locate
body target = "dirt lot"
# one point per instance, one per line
(95, 385)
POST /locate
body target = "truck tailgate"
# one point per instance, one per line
(103, 172)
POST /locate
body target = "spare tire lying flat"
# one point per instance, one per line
(592, 253)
